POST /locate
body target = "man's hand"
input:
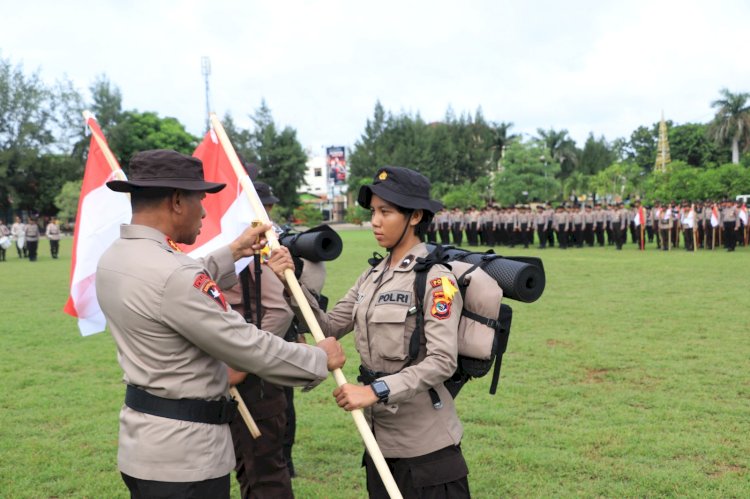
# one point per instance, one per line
(350, 397)
(251, 240)
(279, 261)
(332, 348)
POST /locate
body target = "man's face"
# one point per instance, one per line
(189, 220)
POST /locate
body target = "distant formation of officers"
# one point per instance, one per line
(700, 225)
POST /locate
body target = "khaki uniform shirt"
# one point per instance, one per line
(32, 232)
(53, 232)
(173, 328)
(378, 308)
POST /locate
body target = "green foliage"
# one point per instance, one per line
(732, 121)
(66, 200)
(681, 181)
(280, 157)
(462, 196)
(308, 215)
(618, 181)
(138, 131)
(596, 155)
(691, 143)
(355, 214)
(527, 175)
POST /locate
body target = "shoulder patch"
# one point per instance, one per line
(441, 306)
(436, 282)
(207, 286)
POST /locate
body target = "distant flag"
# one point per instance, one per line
(714, 216)
(640, 217)
(743, 214)
(228, 212)
(100, 213)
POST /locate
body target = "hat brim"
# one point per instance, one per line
(269, 200)
(186, 185)
(409, 202)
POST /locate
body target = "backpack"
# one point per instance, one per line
(484, 327)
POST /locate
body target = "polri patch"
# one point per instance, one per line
(207, 286)
(394, 298)
(436, 282)
(441, 306)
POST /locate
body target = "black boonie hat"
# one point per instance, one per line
(164, 168)
(265, 193)
(402, 187)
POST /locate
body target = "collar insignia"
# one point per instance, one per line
(173, 245)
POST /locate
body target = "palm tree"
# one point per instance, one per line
(499, 141)
(562, 149)
(732, 121)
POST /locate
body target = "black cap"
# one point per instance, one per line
(402, 187)
(164, 168)
(265, 193)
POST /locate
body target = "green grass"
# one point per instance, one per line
(629, 377)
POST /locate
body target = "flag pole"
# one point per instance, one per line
(273, 242)
(108, 156)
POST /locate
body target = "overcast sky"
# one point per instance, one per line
(585, 66)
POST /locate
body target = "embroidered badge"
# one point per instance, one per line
(207, 285)
(173, 245)
(383, 175)
(436, 282)
(406, 261)
(441, 306)
(448, 288)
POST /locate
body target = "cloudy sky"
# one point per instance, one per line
(585, 66)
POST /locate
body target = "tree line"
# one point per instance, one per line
(470, 160)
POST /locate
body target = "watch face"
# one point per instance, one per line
(381, 388)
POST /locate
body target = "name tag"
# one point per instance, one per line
(394, 297)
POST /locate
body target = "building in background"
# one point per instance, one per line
(325, 180)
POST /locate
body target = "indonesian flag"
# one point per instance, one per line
(640, 217)
(688, 220)
(228, 212)
(100, 213)
(714, 216)
(743, 214)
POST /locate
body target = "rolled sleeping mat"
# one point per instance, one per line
(521, 278)
(319, 244)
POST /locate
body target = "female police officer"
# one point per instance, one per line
(419, 437)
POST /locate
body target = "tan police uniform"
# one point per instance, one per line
(174, 333)
(378, 309)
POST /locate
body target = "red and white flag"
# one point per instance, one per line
(640, 217)
(714, 216)
(100, 213)
(228, 212)
(743, 214)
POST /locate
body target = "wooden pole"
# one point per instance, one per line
(115, 166)
(244, 412)
(273, 242)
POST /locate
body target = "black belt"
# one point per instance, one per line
(367, 376)
(198, 411)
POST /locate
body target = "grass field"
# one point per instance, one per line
(628, 378)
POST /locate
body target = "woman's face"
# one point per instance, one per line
(387, 222)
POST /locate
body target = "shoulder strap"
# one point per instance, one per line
(421, 267)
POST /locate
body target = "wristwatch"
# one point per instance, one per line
(381, 390)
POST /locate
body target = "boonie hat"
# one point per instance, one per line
(164, 168)
(265, 193)
(402, 187)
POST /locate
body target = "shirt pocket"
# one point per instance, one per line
(389, 332)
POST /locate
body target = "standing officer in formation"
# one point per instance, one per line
(31, 233)
(175, 334)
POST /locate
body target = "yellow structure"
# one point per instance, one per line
(662, 148)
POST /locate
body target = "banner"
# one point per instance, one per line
(100, 213)
(336, 163)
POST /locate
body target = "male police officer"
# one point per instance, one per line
(175, 334)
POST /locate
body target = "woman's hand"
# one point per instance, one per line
(279, 261)
(350, 397)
